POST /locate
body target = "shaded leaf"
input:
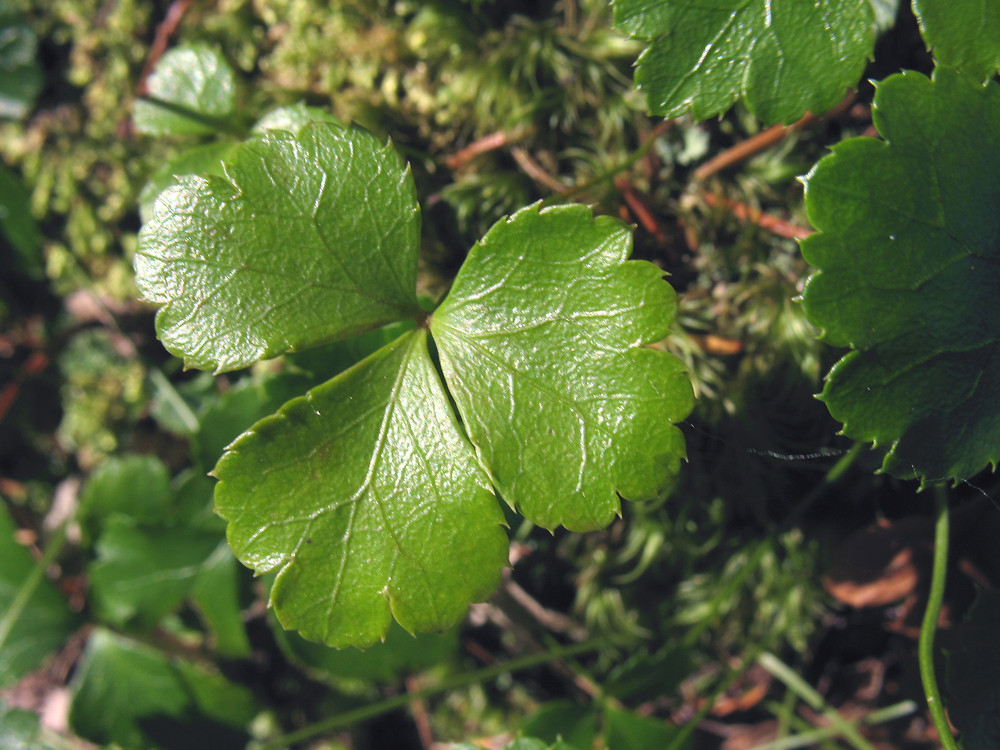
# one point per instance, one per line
(131, 694)
(45, 622)
(135, 485)
(973, 696)
(626, 729)
(191, 92)
(367, 498)
(18, 226)
(306, 240)
(541, 344)
(782, 59)
(565, 721)
(909, 269)
(142, 574)
(963, 34)
(215, 595)
(399, 654)
(20, 77)
(19, 730)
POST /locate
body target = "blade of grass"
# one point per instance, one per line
(815, 736)
(800, 687)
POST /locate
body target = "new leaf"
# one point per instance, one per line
(305, 240)
(909, 270)
(783, 58)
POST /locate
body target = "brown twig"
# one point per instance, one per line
(418, 708)
(484, 145)
(34, 364)
(641, 211)
(165, 30)
(535, 171)
(767, 221)
(763, 140)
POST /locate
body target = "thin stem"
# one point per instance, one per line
(169, 393)
(815, 736)
(805, 691)
(30, 584)
(458, 681)
(925, 646)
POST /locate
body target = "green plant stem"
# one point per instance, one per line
(925, 647)
(815, 736)
(458, 681)
(800, 687)
(30, 584)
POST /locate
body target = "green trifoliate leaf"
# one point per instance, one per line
(909, 270)
(963, 34)
(541, 341)
(307, 239)
(368, 499)
(191, 92)
(783, 57)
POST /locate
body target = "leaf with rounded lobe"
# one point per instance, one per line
(963, 34)
(307, 239)
(541, 342)
(191, 92)
(908, 252)
(368, 499)
(783, 57)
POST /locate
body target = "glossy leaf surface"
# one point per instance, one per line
(963, 34)
(305, 240)
(367, 498)
(191, 92)
(909, 267)
(541, 341)
(782, 57)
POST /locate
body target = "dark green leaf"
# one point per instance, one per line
(625, 729)
(191, 92)
(368, 499)
(45, 622)
(20, 77)
(215, 595)
(142, 574)
(963, 34)
(398, 655)
(973, 696)
(783, 59)
(541, 342)
(306, 240)
(572, 723)
(909, 267)
(128, 693)
(18, 226)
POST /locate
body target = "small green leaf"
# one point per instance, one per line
(909, 267)
(215, 595)
(45, 622)
(191, 92)
(627, 729)
(541, 341)
(142, 574)
(782, 58)
(134, 485)
(129, 693)
(205, 159)
(293, 118)
(367, 498)
(18, 226)
(963, 34)
(20, 730)
(306, 240)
